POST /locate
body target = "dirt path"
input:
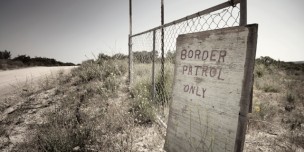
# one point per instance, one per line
(11, 77)
(19, 113)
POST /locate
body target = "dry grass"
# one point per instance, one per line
(142, 91)
(92, 109)
(276, 123)
(89, 109)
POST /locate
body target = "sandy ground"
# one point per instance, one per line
(11, 77)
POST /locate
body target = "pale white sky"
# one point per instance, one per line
(73, 30)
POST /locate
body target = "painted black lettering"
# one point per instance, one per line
(204, 91)
(192, 89)
(219, 75)
(190, 54)
(185, 68)
(197, 54)
(212, 71)
(212, 56)
(197, 67)
(190, 70)
(183, 54)
(222, 55)
(205, 55)
(197, 92)
(186, 88)
(205, 69)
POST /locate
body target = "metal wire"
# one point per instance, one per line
(142, 48)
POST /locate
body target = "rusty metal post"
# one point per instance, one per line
(162, 47)
(130, 45)
(243, 11)
(153, 68)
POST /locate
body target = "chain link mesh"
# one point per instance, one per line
(160, 92)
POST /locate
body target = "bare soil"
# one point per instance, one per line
(10, 78)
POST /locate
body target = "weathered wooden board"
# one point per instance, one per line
(212, 83)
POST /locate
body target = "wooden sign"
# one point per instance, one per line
(211, 92)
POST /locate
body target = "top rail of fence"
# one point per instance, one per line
(200, 13)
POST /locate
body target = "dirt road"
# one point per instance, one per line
(10, 78)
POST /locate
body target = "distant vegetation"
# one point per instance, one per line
(93, 109)
(268, 61)
(6, 62)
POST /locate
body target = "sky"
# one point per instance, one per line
(77, 30)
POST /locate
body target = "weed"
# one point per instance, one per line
(142, 102)
(48, 82)
(271, 88)
(259, 70)
(63, 78)
(263, 110)
(111, 83)
(88, 71)
(62, 134)
(2, 131)
(164, 87)
(25, 89)
(290, 98)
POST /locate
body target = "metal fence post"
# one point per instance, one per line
(130, 45)
(153, 68)
(162, 48)
(243, 11)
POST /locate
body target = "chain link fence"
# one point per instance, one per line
(153, 59)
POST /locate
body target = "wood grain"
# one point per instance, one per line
(212, 84)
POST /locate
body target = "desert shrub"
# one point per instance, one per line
(5, 54)
(3, 66)
(88, 71)
(102, 57)
(296, 138)
(270, 88)
(164, 87)
(144, 56)
(290, 97)
(25, 89)
(142, 71)
(63, 129)
(47, 82)
(142, 102)
(170, 56)
(16, 64)
(259, 70)
(63, 78)
(142, 91)
(111, 83)
(119, 56)
(40, 61)
(2, 131)
(263, 110)
(62, 133)
(100, 69)
(261, 116)
(268, 78)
